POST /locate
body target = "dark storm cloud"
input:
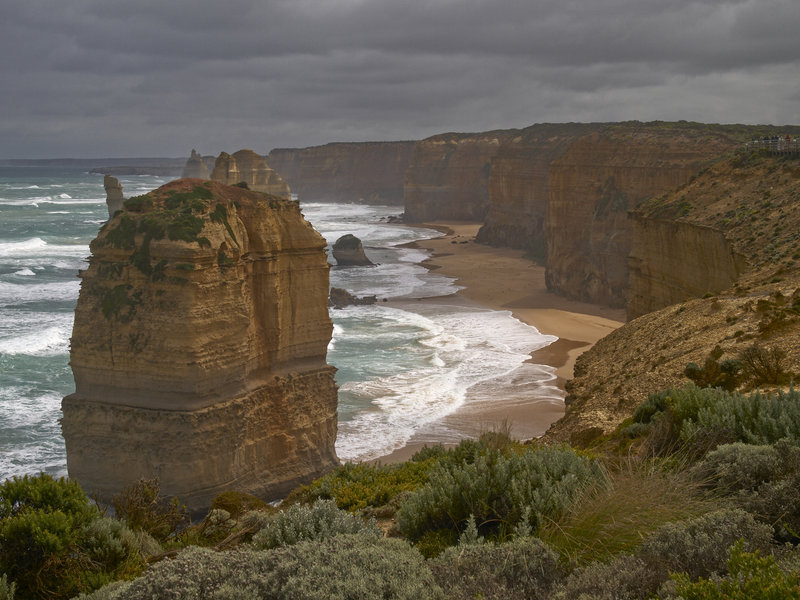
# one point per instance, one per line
(108, 77)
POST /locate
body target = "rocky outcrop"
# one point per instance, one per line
(361, 172)
(594, 184)
(519, 185)
(247, 167)
(448, 177)
(339, 298)
(114, 198)
(198, 166)
(198, 348)
(349, 252)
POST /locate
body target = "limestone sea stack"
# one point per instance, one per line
(199, 348)
(349, 252)
(245, 166)
(114, 198)
(198, 166)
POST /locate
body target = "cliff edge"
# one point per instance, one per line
(199, 345)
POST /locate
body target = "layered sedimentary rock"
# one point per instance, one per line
(114, 198)
(199, 166)
(594, 184)
(349, 251)
(245, 166)
(672, 261)
(199, 347)
(448, 177)
(518, 185)
(362, 172)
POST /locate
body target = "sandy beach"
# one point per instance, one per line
(502, 279)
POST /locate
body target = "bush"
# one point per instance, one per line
(699, 547)
(751, 577)
(623, 577)
(762, 480)
(54, 543)
(320, 521)
(699, 419)
(713, 373)
(358, 486)
(764, 366)
(6, 589)
(522, 568)
(499, 491)
(238, 503)
(342, 567)
(142, 507)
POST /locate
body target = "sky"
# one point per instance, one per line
(123, 78)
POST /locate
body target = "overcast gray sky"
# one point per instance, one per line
(91, 78)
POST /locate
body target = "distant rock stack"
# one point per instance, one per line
(245, 166)
(348, 251)
(198, 167)
(114, 198)
(199, 348)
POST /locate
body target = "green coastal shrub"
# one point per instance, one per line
(713, 373)
(763, 480)
(54, 542)
(338, 568)
(143, 508)
(499, 491)
(522, 568)
(624, 577)
(699, 419)
(319, 521)
(699, 547)
(7, 588)
(751, 576)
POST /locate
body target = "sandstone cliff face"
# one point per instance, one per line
(245, 166)
(368, 172)
(519, 184)
(199, 347)
(198, 166)
(448, 177)
(736, 221)
(673, 261)
(593, 185)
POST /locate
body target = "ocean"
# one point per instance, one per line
(402, 365)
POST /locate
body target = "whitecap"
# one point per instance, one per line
(23, 247)
(24, 273)
(47, 342)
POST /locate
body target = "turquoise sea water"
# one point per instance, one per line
(402, 365)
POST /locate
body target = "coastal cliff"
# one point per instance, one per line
(199, 345)
(361, 172)
(733, 224)
(448, 177)
(519, 185)
(594, 184)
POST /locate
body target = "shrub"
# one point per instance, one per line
(623, 577)
(6, 589)
(320, 521)
(764, 366)
(342, 567)
(522, 568)
(141, 506)
(699, 547)
(762, 480)
(713, 373)
(750, 577)
(498, 491)
(238, 503)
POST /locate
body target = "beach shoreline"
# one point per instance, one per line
(502, 279)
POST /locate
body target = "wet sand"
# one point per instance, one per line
(502, 279)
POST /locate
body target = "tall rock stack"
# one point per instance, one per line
(199, 347)
(114, 198)
(198, 166)
(245, 166)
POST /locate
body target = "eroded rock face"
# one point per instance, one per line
(198, 166)
(594, 184)
(349, 252)
(448, 177)
(114, 198)
(518, 185)
(245, 166)
(199, 347)
(362, 172)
